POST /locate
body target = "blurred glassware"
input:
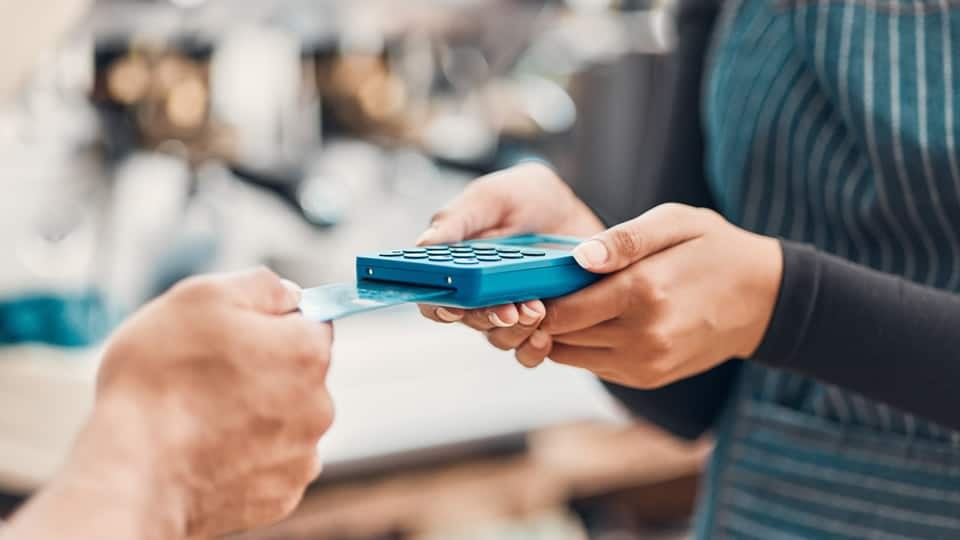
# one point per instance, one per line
(259, 90)
(150, 196)
(51, 217)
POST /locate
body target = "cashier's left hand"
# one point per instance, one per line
(686, 291)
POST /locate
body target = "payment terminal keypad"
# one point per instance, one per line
(483, 272)
(464, 254)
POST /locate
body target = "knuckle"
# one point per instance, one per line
(660, 343)
(307, 469)
(538, 170)
(625, 242)
(316, 367)
(673, 210)
(710, 215)
(508, 339)
(498, 340)
(553, 321)
(482, 188)
(198, 288)
(289, 504)
(639, 287)
(263, 274)
(280, 508)
(323, 415)
(707, 218)
(644, 289)
(305, 345)
(477, 320)
(315, 466)
(301, 356)
(271, 283)
(316, 348)
(657, 297)
(535, 167)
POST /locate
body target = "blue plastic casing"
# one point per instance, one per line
(500, 270)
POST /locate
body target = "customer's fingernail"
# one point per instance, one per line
(497, 321)
(447, 316)
(591, 254)
(539, 340)
(528, 315)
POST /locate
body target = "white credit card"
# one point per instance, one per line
(339, 300)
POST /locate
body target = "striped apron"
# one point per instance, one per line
(834, 122)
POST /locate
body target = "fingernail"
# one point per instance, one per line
(497, 321)
(539, 340)
(426, 235)
(591, 254)
(528, 315)
(447, 316)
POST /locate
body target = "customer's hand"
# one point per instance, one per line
(687, 291)
(210, 403)
(528, 198)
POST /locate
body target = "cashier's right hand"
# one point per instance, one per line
(528, 198)
(215, 395)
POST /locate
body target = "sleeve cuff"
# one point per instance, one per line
(796, 303)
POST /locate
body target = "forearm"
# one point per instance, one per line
(84, 507)
(877, 334)
(108, 489)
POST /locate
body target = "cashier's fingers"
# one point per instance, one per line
(504, 316)
(531, 313)
(478, 319)
(441, 314)
(506, 339)
(535, 350)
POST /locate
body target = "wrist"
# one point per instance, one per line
(117, 462)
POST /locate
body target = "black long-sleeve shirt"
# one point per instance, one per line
(873, 333)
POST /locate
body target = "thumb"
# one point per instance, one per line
(483, 206)
(262, 290)
(656, 230)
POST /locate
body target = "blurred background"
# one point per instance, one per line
(166, 138)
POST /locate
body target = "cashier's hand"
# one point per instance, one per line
(686, 291)
(528, 198)
(213, 397)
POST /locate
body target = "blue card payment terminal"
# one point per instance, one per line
(484, 272)
(470, 274)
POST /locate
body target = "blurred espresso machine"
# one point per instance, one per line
(258, 87)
